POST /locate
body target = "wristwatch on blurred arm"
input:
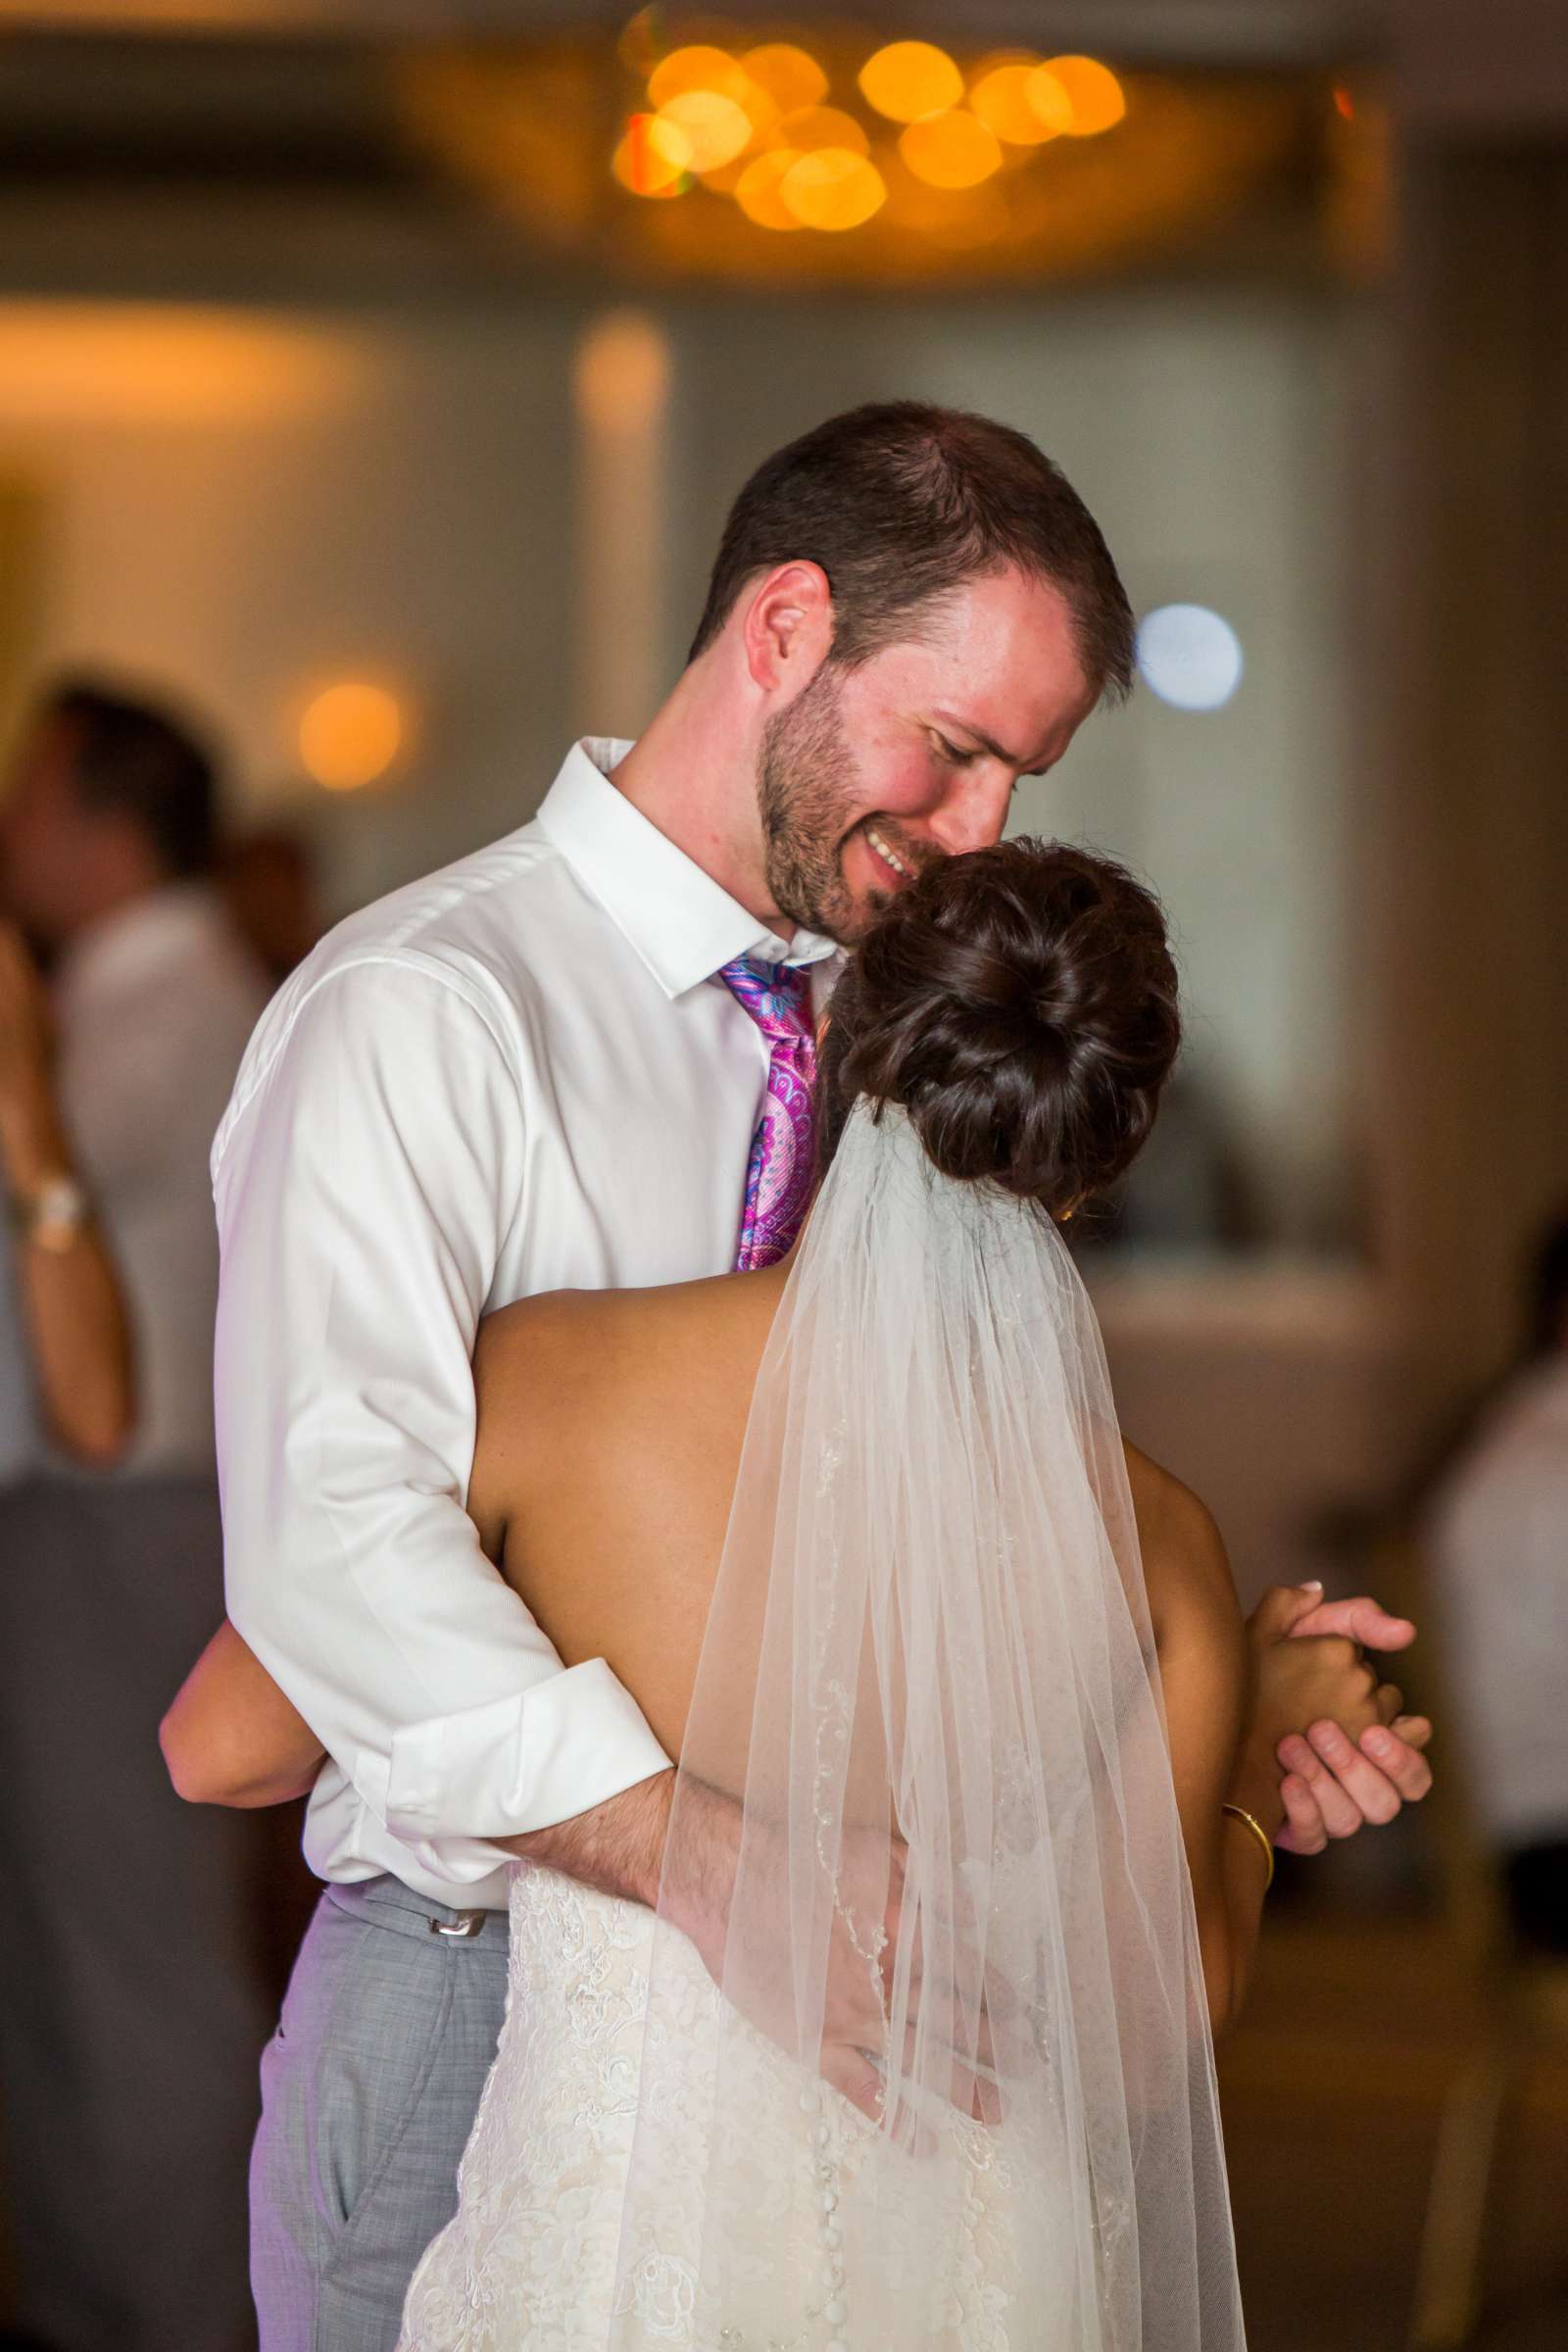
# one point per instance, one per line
(52, 1215)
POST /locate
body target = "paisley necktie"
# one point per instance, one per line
(783, 1161)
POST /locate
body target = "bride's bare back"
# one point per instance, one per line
(609, 1435)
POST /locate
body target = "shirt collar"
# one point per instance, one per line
(684, 927)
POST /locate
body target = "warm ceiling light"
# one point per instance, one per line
(791, 78)
(350, 734)
(654, 158)
(813, 126)
(714, 126)
(758, 190)
(696, 68)
(1005, 102)
(1097, 98)
(910, 78)
(834, 189)
(951, 151)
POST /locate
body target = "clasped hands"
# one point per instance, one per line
(1333, 1785)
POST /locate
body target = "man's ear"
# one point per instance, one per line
(787, 628)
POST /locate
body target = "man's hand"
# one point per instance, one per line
(626, 1847)
(1334, 1786)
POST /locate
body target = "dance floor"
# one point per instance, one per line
(1332, 2088)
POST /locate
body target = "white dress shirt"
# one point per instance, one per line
(154, 1006)
(517, 1075)
(1498, 1534)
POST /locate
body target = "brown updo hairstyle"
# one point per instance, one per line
(1021, 1004)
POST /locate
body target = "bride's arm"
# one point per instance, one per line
(1231, 1691)
(1201, 1644)
(231, 1737)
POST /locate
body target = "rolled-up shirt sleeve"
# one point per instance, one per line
(371, 1163)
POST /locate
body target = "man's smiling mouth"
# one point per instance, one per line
(888, 855)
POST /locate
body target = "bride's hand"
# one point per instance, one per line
(1300, 1678)
(1334, 1786)
(1303, 1682)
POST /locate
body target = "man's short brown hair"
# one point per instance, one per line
(901, 503)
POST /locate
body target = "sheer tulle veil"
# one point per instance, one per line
(930, 1649)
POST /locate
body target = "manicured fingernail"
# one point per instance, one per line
(1311, 1583)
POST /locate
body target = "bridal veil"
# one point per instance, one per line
(930, 1654)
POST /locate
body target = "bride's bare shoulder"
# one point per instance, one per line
(1185, 1564)
(568, 1368)
(559, 1338)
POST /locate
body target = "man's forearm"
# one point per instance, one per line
(623, 1847)
(618, 1848)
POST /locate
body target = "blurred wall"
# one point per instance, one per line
(1207, 429)
(246, 505)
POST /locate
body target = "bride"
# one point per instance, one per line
(860, 1534)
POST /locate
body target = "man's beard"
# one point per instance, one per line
(807, 790)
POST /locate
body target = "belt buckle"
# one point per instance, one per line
(467, 1925)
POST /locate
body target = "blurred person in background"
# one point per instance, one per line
(134, 2006)
(1497, 1530)
(65, 1332)
(268, 877)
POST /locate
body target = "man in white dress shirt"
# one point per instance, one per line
(134, 2003)
(523, 1074)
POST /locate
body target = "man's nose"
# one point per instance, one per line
(972, 814)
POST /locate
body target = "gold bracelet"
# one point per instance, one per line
(1260, 1834)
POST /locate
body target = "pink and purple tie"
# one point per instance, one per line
(783, 1161)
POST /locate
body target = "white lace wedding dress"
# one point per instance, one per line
(533, 2260)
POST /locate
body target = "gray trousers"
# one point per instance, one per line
(133, 2005)
(368, 2091)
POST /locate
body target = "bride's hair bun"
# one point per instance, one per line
(1021, 1004)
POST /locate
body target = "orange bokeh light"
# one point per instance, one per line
(715, 128)
(910, 78)
(954, 150)
(791, 77)
(813, 126)
(1097, 98)
(350, 734)
(697, 66)
(758, 191)
(1006, 99)
(834, 188)
(654, 157)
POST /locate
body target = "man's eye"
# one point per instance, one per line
(951, 751)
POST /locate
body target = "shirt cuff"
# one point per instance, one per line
(524, 1762)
